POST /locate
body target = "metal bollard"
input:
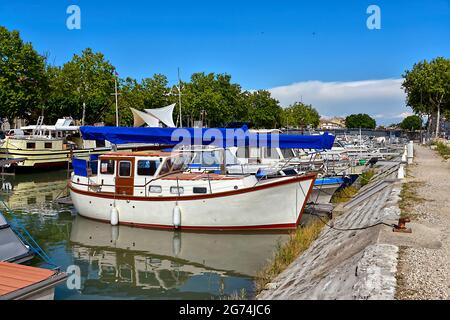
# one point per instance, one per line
(410, 152)
(401, 172)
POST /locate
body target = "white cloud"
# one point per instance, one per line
(383, 99)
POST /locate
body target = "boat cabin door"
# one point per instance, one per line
(125, 176)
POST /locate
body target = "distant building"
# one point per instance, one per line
(394, 126)
(332, 123)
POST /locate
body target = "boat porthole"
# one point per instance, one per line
(110, 204)
(134, 207)
(90, 202)
(236, 187)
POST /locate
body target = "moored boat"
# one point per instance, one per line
(324, 189)
(48, 146)
(149, 189)
(19, 282)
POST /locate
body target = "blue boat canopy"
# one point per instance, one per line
(220, 137)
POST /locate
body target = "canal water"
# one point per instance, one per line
(131, 263)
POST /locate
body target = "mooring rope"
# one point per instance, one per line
(26, 237)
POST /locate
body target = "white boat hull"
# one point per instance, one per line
(273, 204)
(323, 194)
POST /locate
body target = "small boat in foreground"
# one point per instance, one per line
(152, 190)
(19, 282)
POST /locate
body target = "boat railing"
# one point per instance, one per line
(145, 187)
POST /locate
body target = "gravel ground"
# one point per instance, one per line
(424, 273)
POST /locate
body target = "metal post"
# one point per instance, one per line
(117, 104)
(410, 151)
(222, 162)
(84, 112)
(179, 97)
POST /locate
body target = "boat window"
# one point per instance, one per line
(200, 190)
(48, 145)
(176, 190)
(179, 163)
(124, 168)
(288, 153)
(290, 172)
(167, 165)
(107, 167)
(31, 145)
(209, 158)
(147, 167)
(155, 189)
(100, 143)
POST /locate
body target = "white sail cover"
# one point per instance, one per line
(152, 117)
(165, 115)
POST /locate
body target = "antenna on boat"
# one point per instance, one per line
(170, 93)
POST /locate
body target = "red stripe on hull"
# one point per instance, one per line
(290, 226)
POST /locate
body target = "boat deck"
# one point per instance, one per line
(19, 281)
(12, 249)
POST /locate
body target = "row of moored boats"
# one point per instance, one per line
(157, 178)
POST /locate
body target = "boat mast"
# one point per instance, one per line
(179, 97)
(116, 94)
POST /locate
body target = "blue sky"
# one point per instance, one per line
(319, 51)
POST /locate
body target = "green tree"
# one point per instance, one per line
(213, 97)
(411, 123)
(360, 120)
(427, 86)
(263, 110)
(87, 79)
(23, 80)
(149, 94)
(301, 116)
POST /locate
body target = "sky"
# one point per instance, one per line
(318, 52)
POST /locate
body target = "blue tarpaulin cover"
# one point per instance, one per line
(327, 181)
(80, 167)
(219, 137)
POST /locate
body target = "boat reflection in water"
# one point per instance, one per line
(165, 264)
(34, 192)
